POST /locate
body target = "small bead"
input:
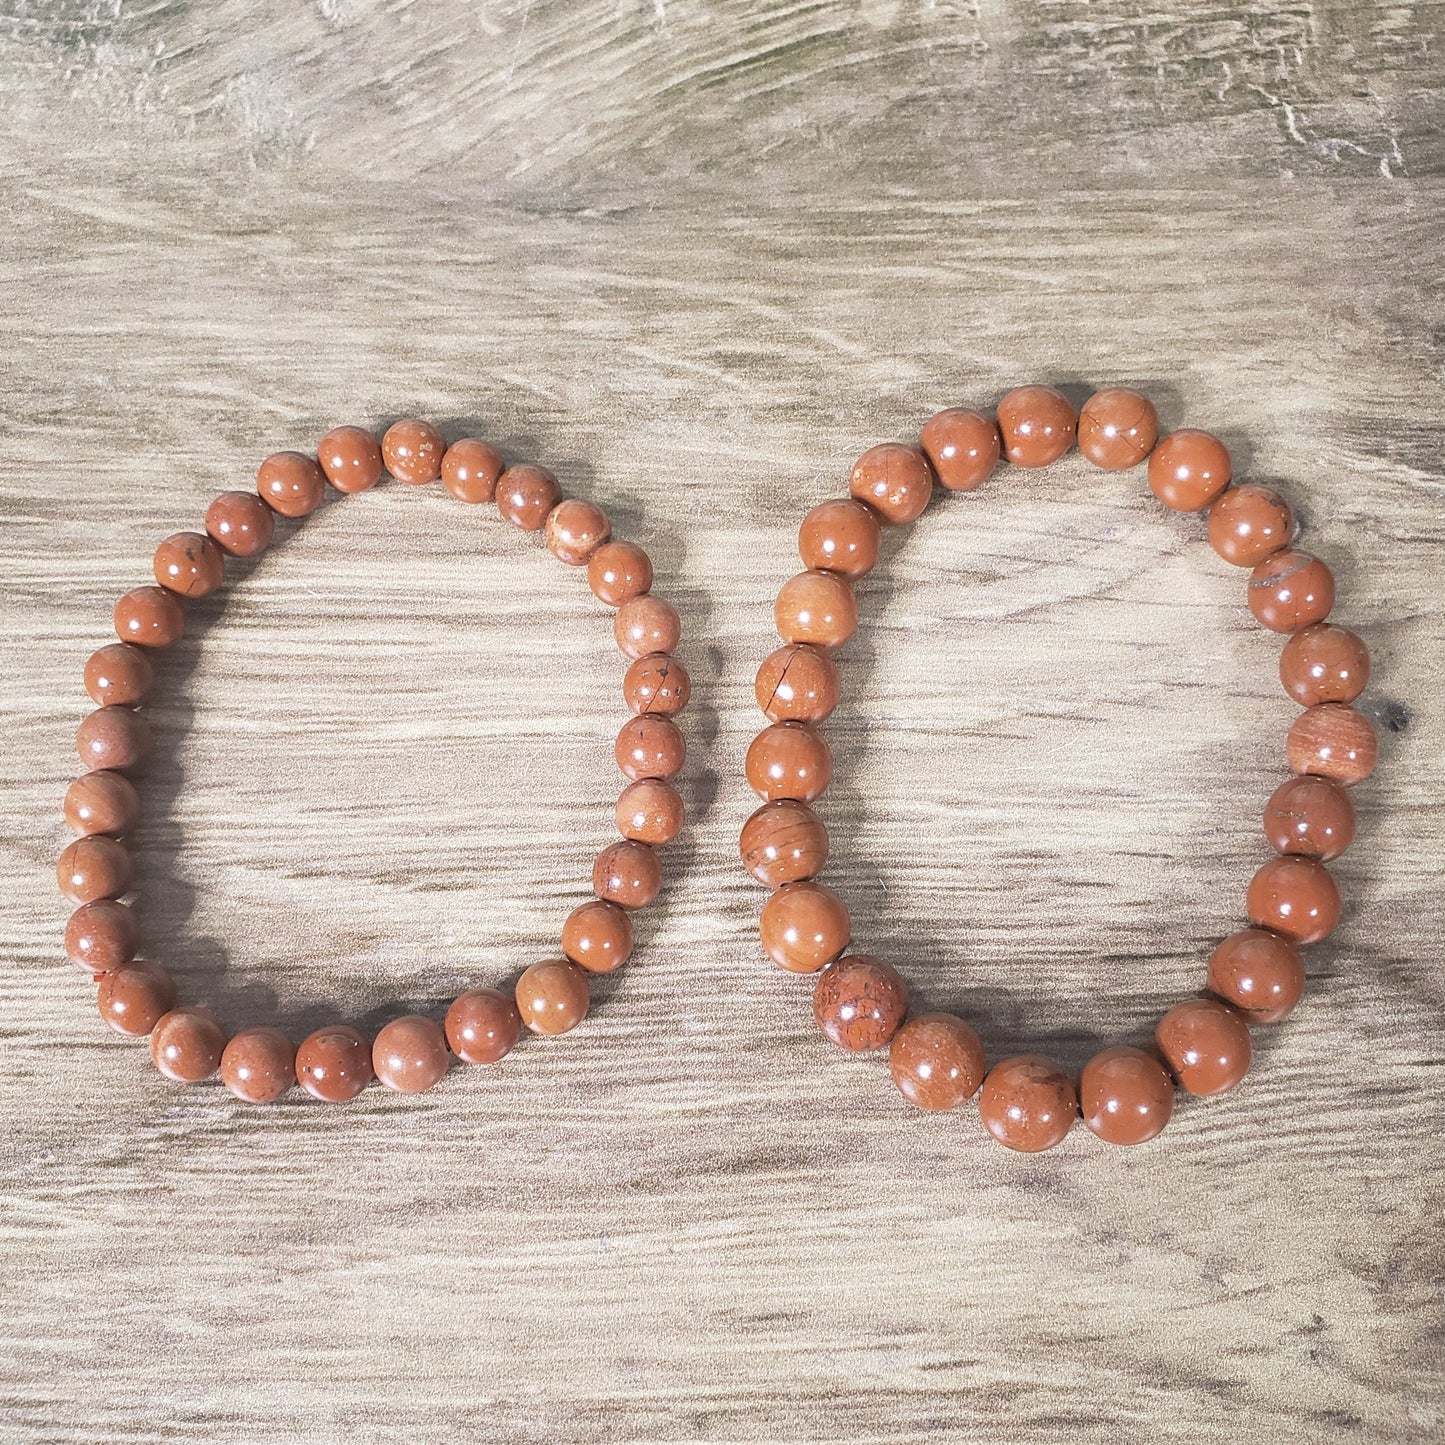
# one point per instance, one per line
(650, 747)
(789, 760)
(93, 868)
(1189, 469)
(574, 530)
(1125, 1096)
(1206, 1046)
(841, 536)
(1310, 816)
(1037, 424)
(817, 608)
(657, 685)
(118, 675)
(291, 484)
(627, 874)
(113, 738)
(1028, 1103)
(962, 446)
(526, 494)
(804, 927)
(1117, 428)
(650, 811)
(1296, 897)
(1333, 740)
(552, 997)
(483, 1026)
(1248, 524)
(101, 936)
(471, 469)
(240, 523)
(1259, 972)
(895, 480)
(860, 1002)
(784, 842)
(135, 996)
(618, 572)
(189, 564)
(149, 617)
(646, 624)
(936, 1061)
(187, 1044)
(334, 1063)
(1290, 590)
(412, 451)
(1324, 663)
(350, 459)
(102, 802)
(597, 936)
(409, 1054)
(797, 684)
(259, 1065)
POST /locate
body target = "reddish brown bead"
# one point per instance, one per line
(350, 459)
(789, 760)
(797, 684)
(1205, 1044)
(1310, 816)
(187, 1043)
(259, 1065)
(936, 1061)
(859, 1002)
(1259, 972)
(1290, 590)
(784, 842)
(118, 675)
(574, 531)
(650, 811)
(618, 572)
(101, 936)
(471, 469)
(526, 494)
(1189, 469)
(817, 608)
(135, 996)
(1028, 1103)
(1333, 741)
(149, 617)
(114, 738)
(597, 936)
(1037, 424)
(657, 685)
(93, 868)
(240, 523)
(413, 451)
(334, 1063)
(628, 874)
(1324, 663)
(804, 927)
(1296, 897)
(291, 484)
(1125, 1095)
(409, 1054)
(841, 536)
(552, 997)
(189, 564)
(895, 480)
(1248, 524)
(1117, 428)
(483, 1026)
(646, 624)
(650, 747)
(102, 802)
(962, 446)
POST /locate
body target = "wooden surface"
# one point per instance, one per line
(696, 258)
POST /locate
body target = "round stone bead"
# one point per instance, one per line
(102, 802)
(1324, 663)
(650, 811)
(483, 1026)
(797, 683)
(1259, 972)
(471, 469)
(962, 446)
(1037, 424)
(350, 459)
(1205, 1044)
(291, 484)
(552, 997)
(93, 868)
(135, 996)
(841, 536)
(101, 936)
(259, 1065)
(656, 685)
(1117, 428)
(118, 675)
(1188, 470)
(860, 1002)
(187, 1044)
(149, 617)
(1248, 524)
(1310, 816)
(597, 936)
(334, 1063)
(526, 495)
(1028, 1103)
(646, 624)
(895, 480)
(240, 523)
(618, 572)
(189, 564)
(1296, 897)
(936, 1061)
(627, 874)
(409, 1054)
(574, 530)
(413, 451)
(817, 608)
(784, 842)
(1125, 1095)
(789, 760)
(1290, 590)
(650, 747)
(804, 927)
(1333, 741)
(113, 738)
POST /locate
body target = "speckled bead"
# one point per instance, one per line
(413, 451)
(1126, 1096)
(1333, 740)
(841, 536)
(259, 1065)
(240, 523)
(962, 446)
(627, 874)
(102, 802)
(334, 1063)
(936, 1061)
(189, 564)
(650, 811)
(804, 927)
(1259, 972)
(118, 675)
(860, 1002)
(896, 481)
(1028, 1103)
(1189, 469)
(574, 530)
(1310, 816)
(797, 683)
(113, 738)
(1290, 590)
(552, 997)
(1296, 897)
(350, 459)
(656, 685)
(789, 760)
(784, 842)
(1248, 524)
(618, 572)
(149, 617)
(597, 936)
(471, 469)
(1324, 663)
(650, 747)
(526, 495)
(101, 936)
(1117, 428)
(409, 1055)
(1205, 1045)
(93, 868)
(816, 608)
(187, 1043)
(133, 997)
(483, 1026)
(644, 625)
(291, 484)
(1037, 424)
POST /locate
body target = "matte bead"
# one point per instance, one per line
(1037, 424)
(1259, 972)
(133, 997)
(552, 997)
(657, 685)
(817, 608)
(646, 624)
(860, 1002)
(1333, 741)
(189, 564)
(291, 484)
(784, 842)
(962, 446)
(1248, 524)
(597, 936)
(1125, 1095)
(1117, 428)
(114, 738)
(1028, 1103)
(789, 760)
(350, 459)
(650, 811)
(413, 451)
(101, 936)
(149, 617)
(1206, 1046)
(1189, 469)
(574, 530)
(334, 1063)
(804, 927)
(895, 480)
(118, 675)
(240, 523)
(797, 684)
(93, 868)
(409, 1055)
(259, 1065)
(526, 494)
(1290, 590)
(936, 1061)
(628, 874)
(1324, 663)
(187, 1043)
(618, 572)
(1310, 816)
(650, 747)
(841, 536)
(102, 802)
(1296, 897)
(471, 469)
(483, 1026)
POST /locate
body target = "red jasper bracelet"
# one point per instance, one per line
(412, 1053)
(1255, 976)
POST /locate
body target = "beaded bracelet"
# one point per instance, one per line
(411, 1053)
(1255, 976)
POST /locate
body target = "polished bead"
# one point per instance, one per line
(1290, 590)
(656, 684)
(618, 572)
(259, 1065)
(93, 868)
(483, 1026)
(896, 481)
(936, 1061)
(817, 608)
(1296, 897)
(1189, 469)
(628, 874)
(597, 936)
(240, 523)
(841, 536)
(1333, 740)
(187, 1043)
(101, 936)
(1125, 1095)
(650, 811)
(1037, 424)
(350, 459)
(409, 1054)
(334, 1063)
(646, 624)
(114, 738)
(859, 1002)
(526, 495)
(552, 997)
(413, 451)
(784, 842)
(118, 675)
(291, 484)
(804, 927)
(1248, 524)
(1259, 972)
(789, 760)
(133, 997)
(1324, 663)
(189, 564)
(1205, 1044)
(1311, 816)
(149, 617)
(1117, 428)
(574, 530)
(962, 446)
(102, 802)
(471, 469)
(797, 684)
(650, 747)
(1028, 1103)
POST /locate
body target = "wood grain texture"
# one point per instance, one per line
(695, 257)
